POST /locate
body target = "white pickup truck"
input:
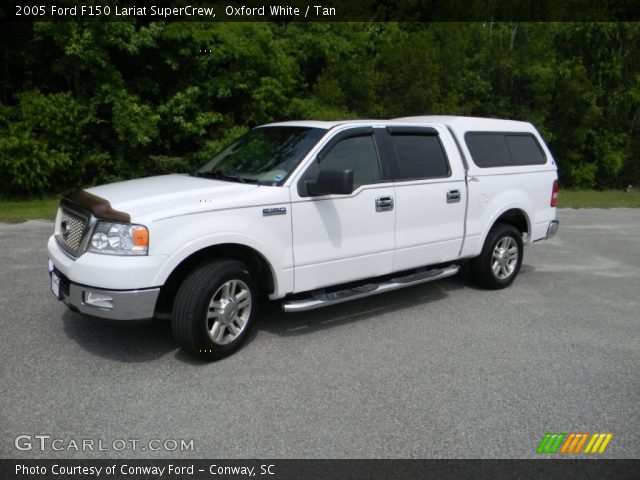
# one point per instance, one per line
(311, 214)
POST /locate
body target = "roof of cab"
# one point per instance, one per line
(321, 124)
(458, 123)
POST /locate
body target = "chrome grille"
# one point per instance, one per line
(70, 230)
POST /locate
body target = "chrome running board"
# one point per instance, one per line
(320, 298)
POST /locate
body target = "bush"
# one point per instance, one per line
(41, 142)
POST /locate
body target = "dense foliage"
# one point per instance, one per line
(87, 103)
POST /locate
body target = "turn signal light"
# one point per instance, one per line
(140, 237)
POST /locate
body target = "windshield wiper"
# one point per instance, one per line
(220, 175)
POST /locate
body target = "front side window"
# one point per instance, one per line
(265, 155)
(419, 156)
(356, 153)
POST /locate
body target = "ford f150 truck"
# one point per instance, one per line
(311, 214)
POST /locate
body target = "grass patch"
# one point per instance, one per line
(598, 198)
(45, 208)
(21, 210)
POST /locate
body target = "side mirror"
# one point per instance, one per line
(328, 182)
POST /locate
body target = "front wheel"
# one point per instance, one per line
(214, 309)
(501, 257)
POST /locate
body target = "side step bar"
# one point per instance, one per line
(321, 299)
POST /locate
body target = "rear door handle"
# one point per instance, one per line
(384, 204)
(453, 196)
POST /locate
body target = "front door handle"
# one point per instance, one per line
(453, 196)
(384, 204)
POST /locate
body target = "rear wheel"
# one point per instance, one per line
(501, 257)
(214, 309)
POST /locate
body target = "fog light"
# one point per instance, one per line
(98, 300)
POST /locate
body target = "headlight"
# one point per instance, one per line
(119, 239)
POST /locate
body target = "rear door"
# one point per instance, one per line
(430, 196)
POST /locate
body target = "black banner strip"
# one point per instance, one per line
(202, 469)
(324, 11)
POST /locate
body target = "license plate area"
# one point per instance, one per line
(55, 285)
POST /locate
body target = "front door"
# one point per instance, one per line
(340, 238)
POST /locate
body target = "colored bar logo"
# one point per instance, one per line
(573, 442)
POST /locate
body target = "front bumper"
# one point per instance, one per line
(103, 303)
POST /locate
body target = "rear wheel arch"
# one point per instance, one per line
(516, 217)
(512, 216)
(501, 258)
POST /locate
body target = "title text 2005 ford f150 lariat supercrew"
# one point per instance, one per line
(309, 213)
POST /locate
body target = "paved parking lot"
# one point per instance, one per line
(438, 370)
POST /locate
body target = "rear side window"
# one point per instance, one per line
(504, 149)
(419, 156)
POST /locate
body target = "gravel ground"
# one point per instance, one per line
(439, 370)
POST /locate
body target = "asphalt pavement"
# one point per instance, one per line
(439, 370)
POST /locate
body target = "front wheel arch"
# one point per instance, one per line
(259, 266)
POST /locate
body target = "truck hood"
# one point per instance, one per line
(171, 194)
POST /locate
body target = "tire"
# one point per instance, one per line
(499, 263)
(214, 309)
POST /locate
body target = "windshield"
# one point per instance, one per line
(265, 155)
